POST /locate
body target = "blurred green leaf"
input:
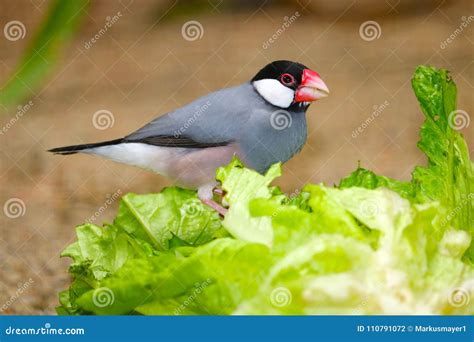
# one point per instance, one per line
(57, 29)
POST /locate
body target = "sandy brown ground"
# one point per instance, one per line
(143, 67)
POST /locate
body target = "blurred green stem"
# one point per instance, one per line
(57, 29)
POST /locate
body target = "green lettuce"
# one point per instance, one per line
(409, 270)
(367, 179)
(371, 245)
(449, 176)
(173, 215)
(224, 271)
(241, 186)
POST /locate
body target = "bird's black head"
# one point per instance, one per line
(286, 83)
(287, 73)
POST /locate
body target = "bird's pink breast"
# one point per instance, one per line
(197, 167)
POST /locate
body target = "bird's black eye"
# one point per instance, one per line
(287, 79)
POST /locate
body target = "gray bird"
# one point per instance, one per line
(262, 122)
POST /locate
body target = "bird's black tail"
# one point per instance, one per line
(78, 148)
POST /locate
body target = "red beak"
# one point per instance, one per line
(312, 87)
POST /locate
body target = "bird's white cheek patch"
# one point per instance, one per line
(275, 92)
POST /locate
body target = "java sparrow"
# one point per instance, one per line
(261, 121)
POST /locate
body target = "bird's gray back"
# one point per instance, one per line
(236, 115)
(215, 117)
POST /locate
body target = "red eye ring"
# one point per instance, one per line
(287, 79)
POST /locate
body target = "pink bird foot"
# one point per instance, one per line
(216, 206)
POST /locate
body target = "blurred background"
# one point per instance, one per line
(85, 71)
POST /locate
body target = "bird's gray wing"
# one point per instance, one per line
(213, 120)
(176, 141)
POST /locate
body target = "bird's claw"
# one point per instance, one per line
(218, 192)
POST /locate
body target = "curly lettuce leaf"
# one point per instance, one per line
(293, 226)
(241, 186)
(173, 215)
(144, 225)
(288, 288)
(449, 176)
(367, 179)
(412, 267)
(102, 250)
(213, 279)
(97, 253)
